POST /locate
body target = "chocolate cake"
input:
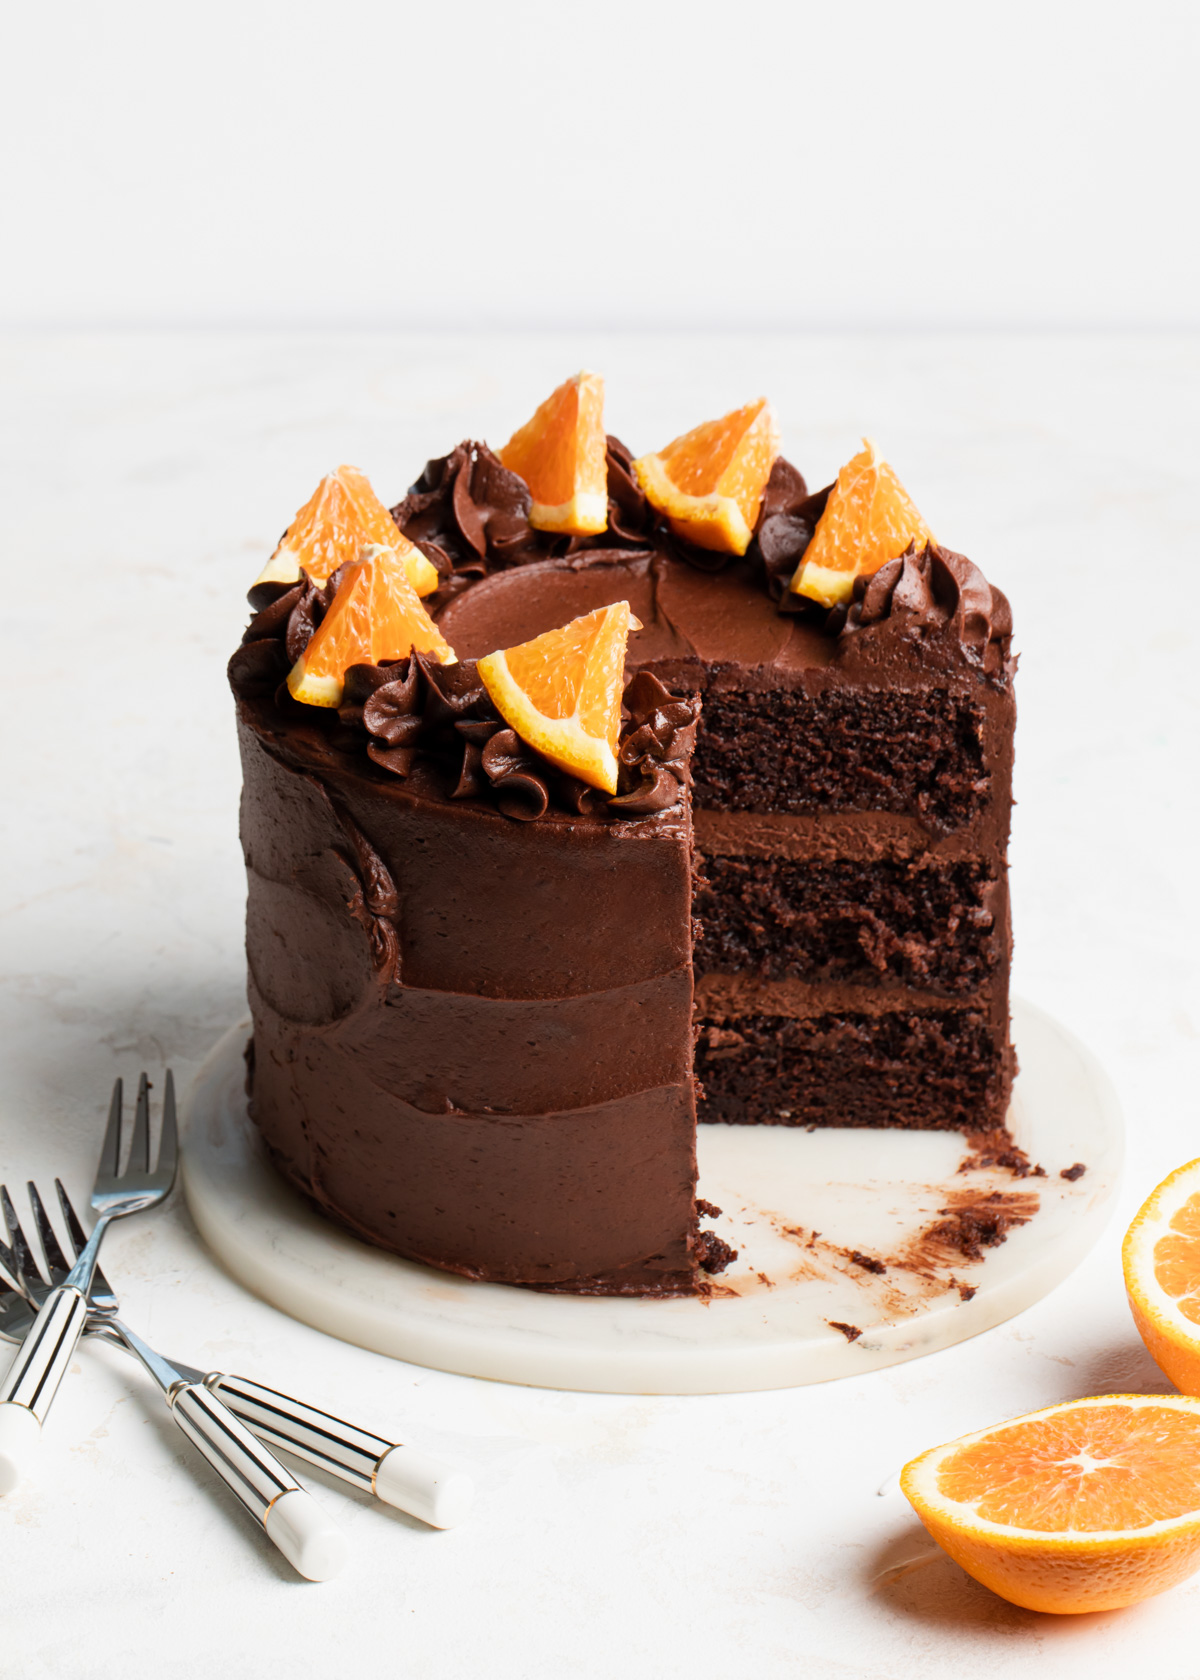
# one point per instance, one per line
(490, 1003)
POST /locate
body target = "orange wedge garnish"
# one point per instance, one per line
(868, 520)
(1161, 1257)
(710, 481)
(331, 528)
(1085, 1506)
(561, 692)
(560, 455)
(376, 615)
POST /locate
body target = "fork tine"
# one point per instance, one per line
(27, 1272)
(110, 1153)
(74, 1228)
(46, 1233)
(139, 1150)
(168, 1142)
(101, 1288)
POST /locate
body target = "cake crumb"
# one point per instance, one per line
(866, 1261)
(1077, 1171)
(707, 1210)
(712, 1253)
(850, 1331)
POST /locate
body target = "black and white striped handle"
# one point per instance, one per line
(31, 1382)
(312, 1542)
(397, 1474)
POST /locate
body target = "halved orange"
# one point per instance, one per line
(1085, 1506)
(868, 520)
(561, 692)
(560, 455)
(341, 515)
(710, 481)
(376, 615)
(1161, 1259)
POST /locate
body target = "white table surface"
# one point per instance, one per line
(142, 481)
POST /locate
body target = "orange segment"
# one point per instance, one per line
(1085, 1506)
(341, 515)
(375, 615)
(869, 519)
(1161, 1259)
(560, 455)
(561, 692)
(710, 481)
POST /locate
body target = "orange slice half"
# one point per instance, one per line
(341, 515)
(1161, 1259)
(560, 455)
(561, 692)
(869, 519)
(710, 481)
(376, 615)
(1085, 1506)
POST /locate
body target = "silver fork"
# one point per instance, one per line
(27, 1391)
(292, 1519)
(399, 1475)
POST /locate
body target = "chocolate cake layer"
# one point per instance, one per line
(927, 925)
(941, 1071)
(918, 752)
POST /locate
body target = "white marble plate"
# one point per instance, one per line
(771, 1320)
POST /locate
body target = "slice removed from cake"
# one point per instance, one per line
(376, 615)
(561, 692)
(560, 455)
(710, 481)
(868, 520)
(341, 515)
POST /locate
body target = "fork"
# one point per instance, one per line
(28, 1389)
(397, 1474)
(292, 1519)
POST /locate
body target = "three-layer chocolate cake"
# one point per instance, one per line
(490, 1002)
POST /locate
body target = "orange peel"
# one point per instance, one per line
(560, 453)
(342, 514)
(868, 520)
(710, 482)
(376, 615)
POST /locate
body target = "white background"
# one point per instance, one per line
(764, 163)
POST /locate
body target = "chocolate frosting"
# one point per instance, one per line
(469, 515)
(933, 596)
(415, 706)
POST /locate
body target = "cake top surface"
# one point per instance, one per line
(734, 575)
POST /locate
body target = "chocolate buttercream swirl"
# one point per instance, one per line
(470, 515)
(934, 593)
(786, 521)
(657, 746)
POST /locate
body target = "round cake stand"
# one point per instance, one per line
(854, 1246)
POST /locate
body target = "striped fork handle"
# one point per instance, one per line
(397, 1474)
(27, 1390)
(312, 1543)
